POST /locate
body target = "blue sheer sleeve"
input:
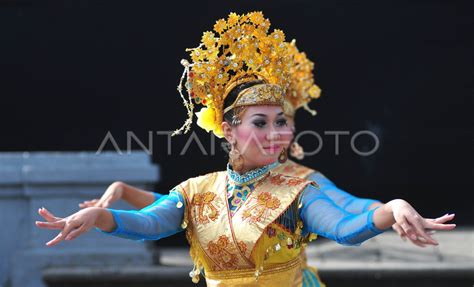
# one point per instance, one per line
(158, 195)
(322, 216)
(160, 219)
(341, 198)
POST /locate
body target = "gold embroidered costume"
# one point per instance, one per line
(252, 247)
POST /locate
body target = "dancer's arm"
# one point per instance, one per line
(161, 219)
(322, 216)
(357, 205)
(118, 190)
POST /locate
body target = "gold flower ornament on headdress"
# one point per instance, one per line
(239, 50)
(302, 89)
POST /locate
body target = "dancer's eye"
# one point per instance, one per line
(259, 123)
(282, 123)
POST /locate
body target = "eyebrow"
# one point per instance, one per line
(264, 115)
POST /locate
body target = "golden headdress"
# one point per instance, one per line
(240, 50)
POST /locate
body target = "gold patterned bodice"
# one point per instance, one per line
(253, 243)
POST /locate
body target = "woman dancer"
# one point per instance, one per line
(241, 77)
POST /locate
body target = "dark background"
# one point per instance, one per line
(71, 71)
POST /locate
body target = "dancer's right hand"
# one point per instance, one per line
(71, 226)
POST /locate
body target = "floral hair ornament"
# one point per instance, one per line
(302, 89)
(239, 49)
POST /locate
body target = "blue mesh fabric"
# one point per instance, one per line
(341, 198)
(322, 216)
(158, 195)
(160, 219)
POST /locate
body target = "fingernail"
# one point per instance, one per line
(413, 237)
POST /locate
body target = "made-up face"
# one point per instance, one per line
(261, 135)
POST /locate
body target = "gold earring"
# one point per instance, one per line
(296, 151)
(235, 159)
(283, 157)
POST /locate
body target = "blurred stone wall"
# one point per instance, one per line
(59, 181)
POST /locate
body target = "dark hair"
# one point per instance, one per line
(232, 96)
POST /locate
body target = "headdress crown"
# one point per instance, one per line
(240, 49)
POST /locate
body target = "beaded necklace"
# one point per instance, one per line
(239, 187)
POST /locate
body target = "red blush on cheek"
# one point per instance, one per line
(249, 137)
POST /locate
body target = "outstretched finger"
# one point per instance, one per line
(439, 226)
(56, 239)
(88, 203)
(62, 235)
(76, 232)
(404, 237)
(443, 219)
(418, 242)
(48, 215)
(85, 204)
(421, 233)
(51, 225)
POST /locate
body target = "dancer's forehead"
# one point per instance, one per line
(263, 111)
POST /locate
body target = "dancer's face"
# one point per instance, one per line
(261, 135)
